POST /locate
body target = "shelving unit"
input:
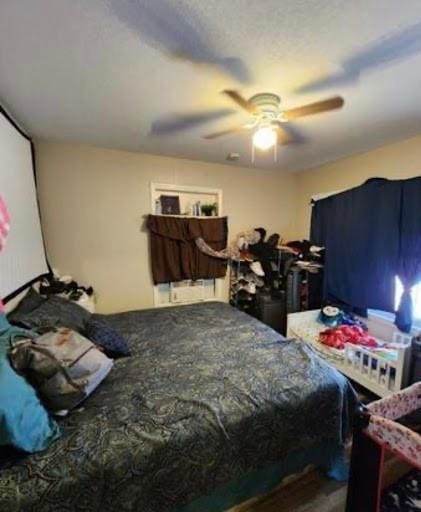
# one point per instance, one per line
(188, 195)
(236, 268)
(243, 266)
(268, 303)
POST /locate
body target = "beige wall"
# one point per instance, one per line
(93, 201)
(401, 160)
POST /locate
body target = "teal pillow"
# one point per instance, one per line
(24, 423)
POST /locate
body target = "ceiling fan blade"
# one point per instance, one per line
(288, 134)
(388, 50)
(314, 108)
(242, 102)
(182, 122)
(164, 25)
(228, 131)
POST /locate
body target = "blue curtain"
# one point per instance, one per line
(372, 234)
(410, 249)
(360, 230)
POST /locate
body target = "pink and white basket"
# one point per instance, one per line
(377, 431)
(398, 439)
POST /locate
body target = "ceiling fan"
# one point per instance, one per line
(269, 121)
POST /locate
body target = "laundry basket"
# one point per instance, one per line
(376, 431)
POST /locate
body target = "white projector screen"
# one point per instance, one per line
(23, 258)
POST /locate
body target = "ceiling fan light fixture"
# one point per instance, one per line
(282, 118)
(264, 138)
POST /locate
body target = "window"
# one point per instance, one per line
(169, 294)
(416, 299)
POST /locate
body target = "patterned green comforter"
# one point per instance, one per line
(208, 395)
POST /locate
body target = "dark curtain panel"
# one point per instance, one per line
(410, 248)
(167, 247)
(360, 230)
(174, 255)
(320, 225)
(320, 220)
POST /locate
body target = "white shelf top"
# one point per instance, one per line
(188, 216)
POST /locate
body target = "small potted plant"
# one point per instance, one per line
(209, 210)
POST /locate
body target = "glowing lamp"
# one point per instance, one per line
(264, 138)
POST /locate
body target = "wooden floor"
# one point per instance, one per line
(309, 493)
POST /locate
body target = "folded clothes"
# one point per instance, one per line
(337, 337)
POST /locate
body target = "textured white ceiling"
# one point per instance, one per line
(99, 72)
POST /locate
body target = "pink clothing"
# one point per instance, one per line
(338, 337)
(4, 223)
(4, 231)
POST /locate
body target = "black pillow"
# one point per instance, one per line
(113, 343)
(50, 313)
(30, 302)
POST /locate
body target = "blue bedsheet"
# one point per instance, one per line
(209, 398)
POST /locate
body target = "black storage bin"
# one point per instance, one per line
(293, 297)
(415, 375)
(272, 311)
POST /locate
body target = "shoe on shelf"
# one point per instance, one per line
(316, 248)
(256, 267)
(244, 295)
(248, 287)
(241, 281)
(251, 288)
(251, 277)
(236, 287)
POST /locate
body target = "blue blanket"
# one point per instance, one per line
(210, 396)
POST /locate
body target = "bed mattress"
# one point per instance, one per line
(209, 395)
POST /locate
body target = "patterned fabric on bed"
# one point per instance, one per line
(52, 312)
(208, 395)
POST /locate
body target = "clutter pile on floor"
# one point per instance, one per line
(68, 288)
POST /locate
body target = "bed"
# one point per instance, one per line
(212, 408)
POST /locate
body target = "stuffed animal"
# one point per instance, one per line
(237, 249)
(249, 246)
